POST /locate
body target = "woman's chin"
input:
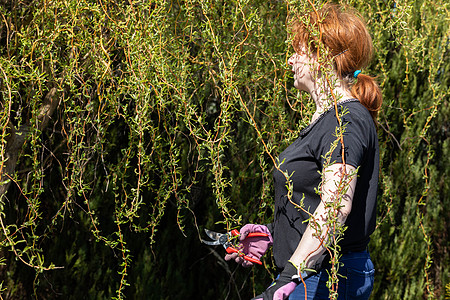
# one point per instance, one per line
(300, 87)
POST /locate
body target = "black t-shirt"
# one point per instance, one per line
(303, 160)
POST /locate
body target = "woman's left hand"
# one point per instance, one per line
(283, 286)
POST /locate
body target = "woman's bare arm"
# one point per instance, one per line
(339, 182)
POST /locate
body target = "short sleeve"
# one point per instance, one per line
(355, 130)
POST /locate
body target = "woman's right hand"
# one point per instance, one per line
(254, 247)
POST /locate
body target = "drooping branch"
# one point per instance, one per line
(14, 142)
(16, 138)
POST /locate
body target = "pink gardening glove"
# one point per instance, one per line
(283, 286)
(254, 247)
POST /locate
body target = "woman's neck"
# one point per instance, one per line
(324, 97)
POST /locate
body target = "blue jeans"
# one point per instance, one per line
(357, 283)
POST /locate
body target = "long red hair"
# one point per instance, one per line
(348, 45)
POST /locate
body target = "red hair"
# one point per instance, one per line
(343, 34)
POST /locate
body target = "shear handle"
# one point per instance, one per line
(234, 232)
(251, 259)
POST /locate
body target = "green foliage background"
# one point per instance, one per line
(166, 118)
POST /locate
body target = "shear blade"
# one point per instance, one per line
(213, 235)
(211, 243)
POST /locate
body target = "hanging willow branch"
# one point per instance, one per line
(124, 123)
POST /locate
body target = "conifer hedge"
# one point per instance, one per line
(129, 126)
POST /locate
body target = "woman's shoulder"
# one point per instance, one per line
(357, 108)
(349, 112)
(356, 112)
(353, 116)
(347, 109)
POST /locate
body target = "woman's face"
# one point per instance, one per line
(302, 65)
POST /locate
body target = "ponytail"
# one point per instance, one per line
(367, 91)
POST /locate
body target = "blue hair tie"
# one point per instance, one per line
(356, 73)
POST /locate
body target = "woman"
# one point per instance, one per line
(331, 171)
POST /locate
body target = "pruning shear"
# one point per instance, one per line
(224, 239)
